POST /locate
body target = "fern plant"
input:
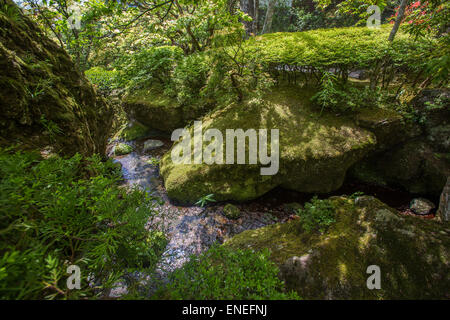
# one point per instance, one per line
(203, 201)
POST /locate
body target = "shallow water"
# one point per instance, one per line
(192, 229)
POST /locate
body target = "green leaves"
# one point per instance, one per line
(339, 48)
(317, 215)
(105, 80)
(223, 273)
(203, 201)
(57, 212)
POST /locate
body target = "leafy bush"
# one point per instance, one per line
(189, 78)
(339, 97)
(105, 80)
(146, 66)
(344, 49)
(59, 212)
(223, 273)
(237, 71)
(203, 201)
(316, 215)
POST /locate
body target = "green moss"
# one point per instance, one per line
(153, 97)
(154, 109)
(231, 211)
(353, 47)
(315, 151)
(389, 127)
(412, 253)
(39, 79)
(412, 165)
(133, 132)
(122, 149)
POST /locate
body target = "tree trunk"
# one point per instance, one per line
(398, 20)
(269, 16)
(248, 7)
(255, 26)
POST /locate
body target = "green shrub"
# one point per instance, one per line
(345, 49)
(105, 80)
(223, 273)
(355, 47)
(59, 212)
(339, 97)
(317, 215)
(203, 201)
(189, 78)
(146, 66)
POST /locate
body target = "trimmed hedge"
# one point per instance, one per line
(343, 48)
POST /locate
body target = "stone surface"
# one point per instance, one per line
(152, 107)
(421, 206)
(433, 108)
(122, 149)
(231, 211)
(358, 74)
(315, 151)
(411, 252)
(444, 203)
(152, 144)
(389, 127)
(293, 207)
(134, 130)
(45, 100)
(412, 165)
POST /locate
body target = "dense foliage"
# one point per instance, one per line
(343, 50)
(222, 273)
(317, 214)
(56, 212)
(104, 80)
(59, 212)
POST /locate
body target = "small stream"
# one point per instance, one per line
(192, 229)
(189, 229)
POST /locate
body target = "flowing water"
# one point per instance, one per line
(191, 230)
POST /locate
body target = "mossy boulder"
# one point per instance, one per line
(432, 107)
(231, 211)
(133, 131)
(45, 100)
(412, 165)
(315, 151)
(122, 149)
(157, 110)
(412, 253)
(390, 127)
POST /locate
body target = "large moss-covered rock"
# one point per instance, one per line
(152, 107)
(315, 151)
(432, 107)
(389, 127)
(44, 99)
(414, 157)
(412, 165)
(412, 253)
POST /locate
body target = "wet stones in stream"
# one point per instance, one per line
(190, 230)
